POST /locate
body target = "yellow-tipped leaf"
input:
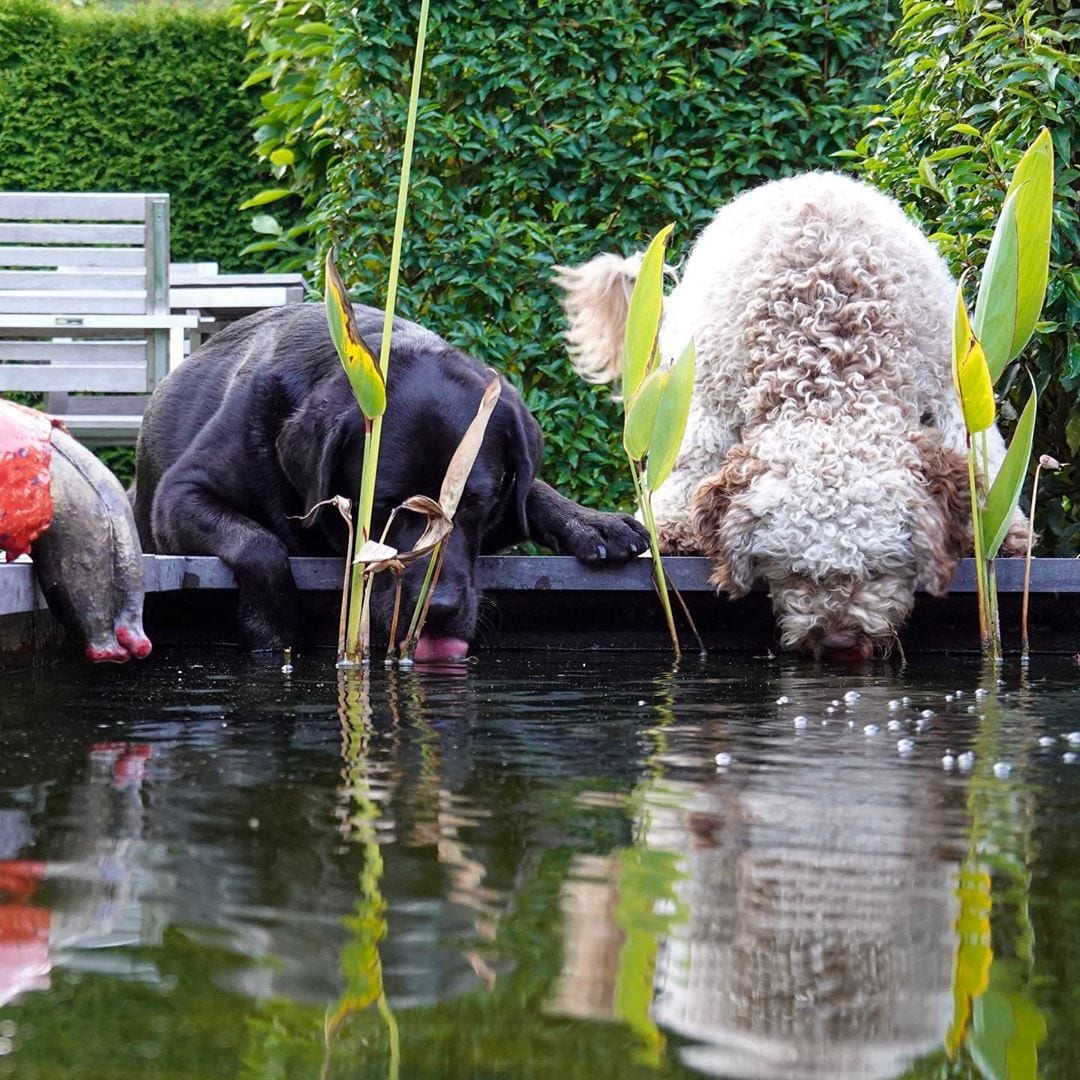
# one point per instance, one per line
(970, 372)
(365, 378)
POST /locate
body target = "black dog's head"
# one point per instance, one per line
(433, 394)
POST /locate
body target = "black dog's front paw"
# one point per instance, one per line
(594, 537)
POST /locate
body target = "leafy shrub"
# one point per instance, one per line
(543, 140)
(971, 84)
(146, 99)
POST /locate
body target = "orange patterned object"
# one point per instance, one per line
(25, 456)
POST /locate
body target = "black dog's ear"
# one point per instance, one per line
(526, 450)
(310, 446)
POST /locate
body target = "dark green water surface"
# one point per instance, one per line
(537, 868)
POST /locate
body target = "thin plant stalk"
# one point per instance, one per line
(980, 565)
(350, 550)
(645, 503)
(373, 434)
(427, 590)
(394, 617)
(1045, 461)
(686, 612)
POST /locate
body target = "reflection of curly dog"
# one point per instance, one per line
(825, 448)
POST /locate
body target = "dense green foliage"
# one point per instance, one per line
(146, 99)
(585, 127)
(970, 86)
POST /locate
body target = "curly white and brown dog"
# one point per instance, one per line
(825, 450)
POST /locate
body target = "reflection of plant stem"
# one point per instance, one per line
(644, 501)
(361, 963)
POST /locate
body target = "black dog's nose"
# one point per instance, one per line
(445, 600)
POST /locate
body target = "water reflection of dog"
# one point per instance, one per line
(814, 907)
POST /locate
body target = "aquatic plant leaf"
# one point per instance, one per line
(970, 373)
(1004, 493)
(643, 316)
(671, 416)
(996, 305)
(641, 414)
(1033, 188)
(457, 472)
(365, 378)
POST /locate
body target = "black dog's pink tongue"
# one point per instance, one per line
(432, 647)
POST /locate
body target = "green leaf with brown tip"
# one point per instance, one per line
(365, 378)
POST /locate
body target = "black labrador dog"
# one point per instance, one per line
(260, 424)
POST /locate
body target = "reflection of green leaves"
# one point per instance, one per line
(1006, 1032)
(970, 371)
(1004, 494)
(671, 415)
(643, 317)
(971, 965)
(365, 378)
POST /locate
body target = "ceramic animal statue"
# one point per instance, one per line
(57, 499)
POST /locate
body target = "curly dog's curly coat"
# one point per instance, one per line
(825, 450)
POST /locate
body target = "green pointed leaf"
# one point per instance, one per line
(970, 373)
(1004, 493)
(268, 196)
(671, 415)
(368, 385)
(643, 317)
(641, 414)
(995, 308)
(1033, 186)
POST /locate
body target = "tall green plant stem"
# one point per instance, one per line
(644, 500)
(373, 435)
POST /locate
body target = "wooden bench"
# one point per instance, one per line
(84, 306)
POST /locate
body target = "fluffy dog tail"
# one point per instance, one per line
(596, 301)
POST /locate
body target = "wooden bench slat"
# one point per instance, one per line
(74, 233)
(73, 256)
(74, 206)
(74, 351)
(119, 378)
(133, 279)
(11, 323)
(73, 303)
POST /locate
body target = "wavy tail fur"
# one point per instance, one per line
(596, 301)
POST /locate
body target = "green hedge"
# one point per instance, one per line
(971, 84)
(146, 99)
(545, 139)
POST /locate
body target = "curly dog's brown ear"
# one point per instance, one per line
(724, 524)
(941, 529)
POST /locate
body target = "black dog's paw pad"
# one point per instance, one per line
(607, 538)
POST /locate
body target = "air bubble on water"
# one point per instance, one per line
(905, 746)
(894, 705)
(799, 722)
(782, 699)
(966, 760)
(835, 703)
(641, 701)
(830, 709)
(905, 701)
(958, 693)
(1069, 757)
(971, 708)
(1047, 740)
(947, 762)
(981, 692)
(1073, 738)
(895, 725)
(723, 760)
(950, 697)
(852, 696)
(870, 729)
(1002, 769)
(926, 714)
(253, 823)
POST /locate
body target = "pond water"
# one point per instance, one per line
(540, 867)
